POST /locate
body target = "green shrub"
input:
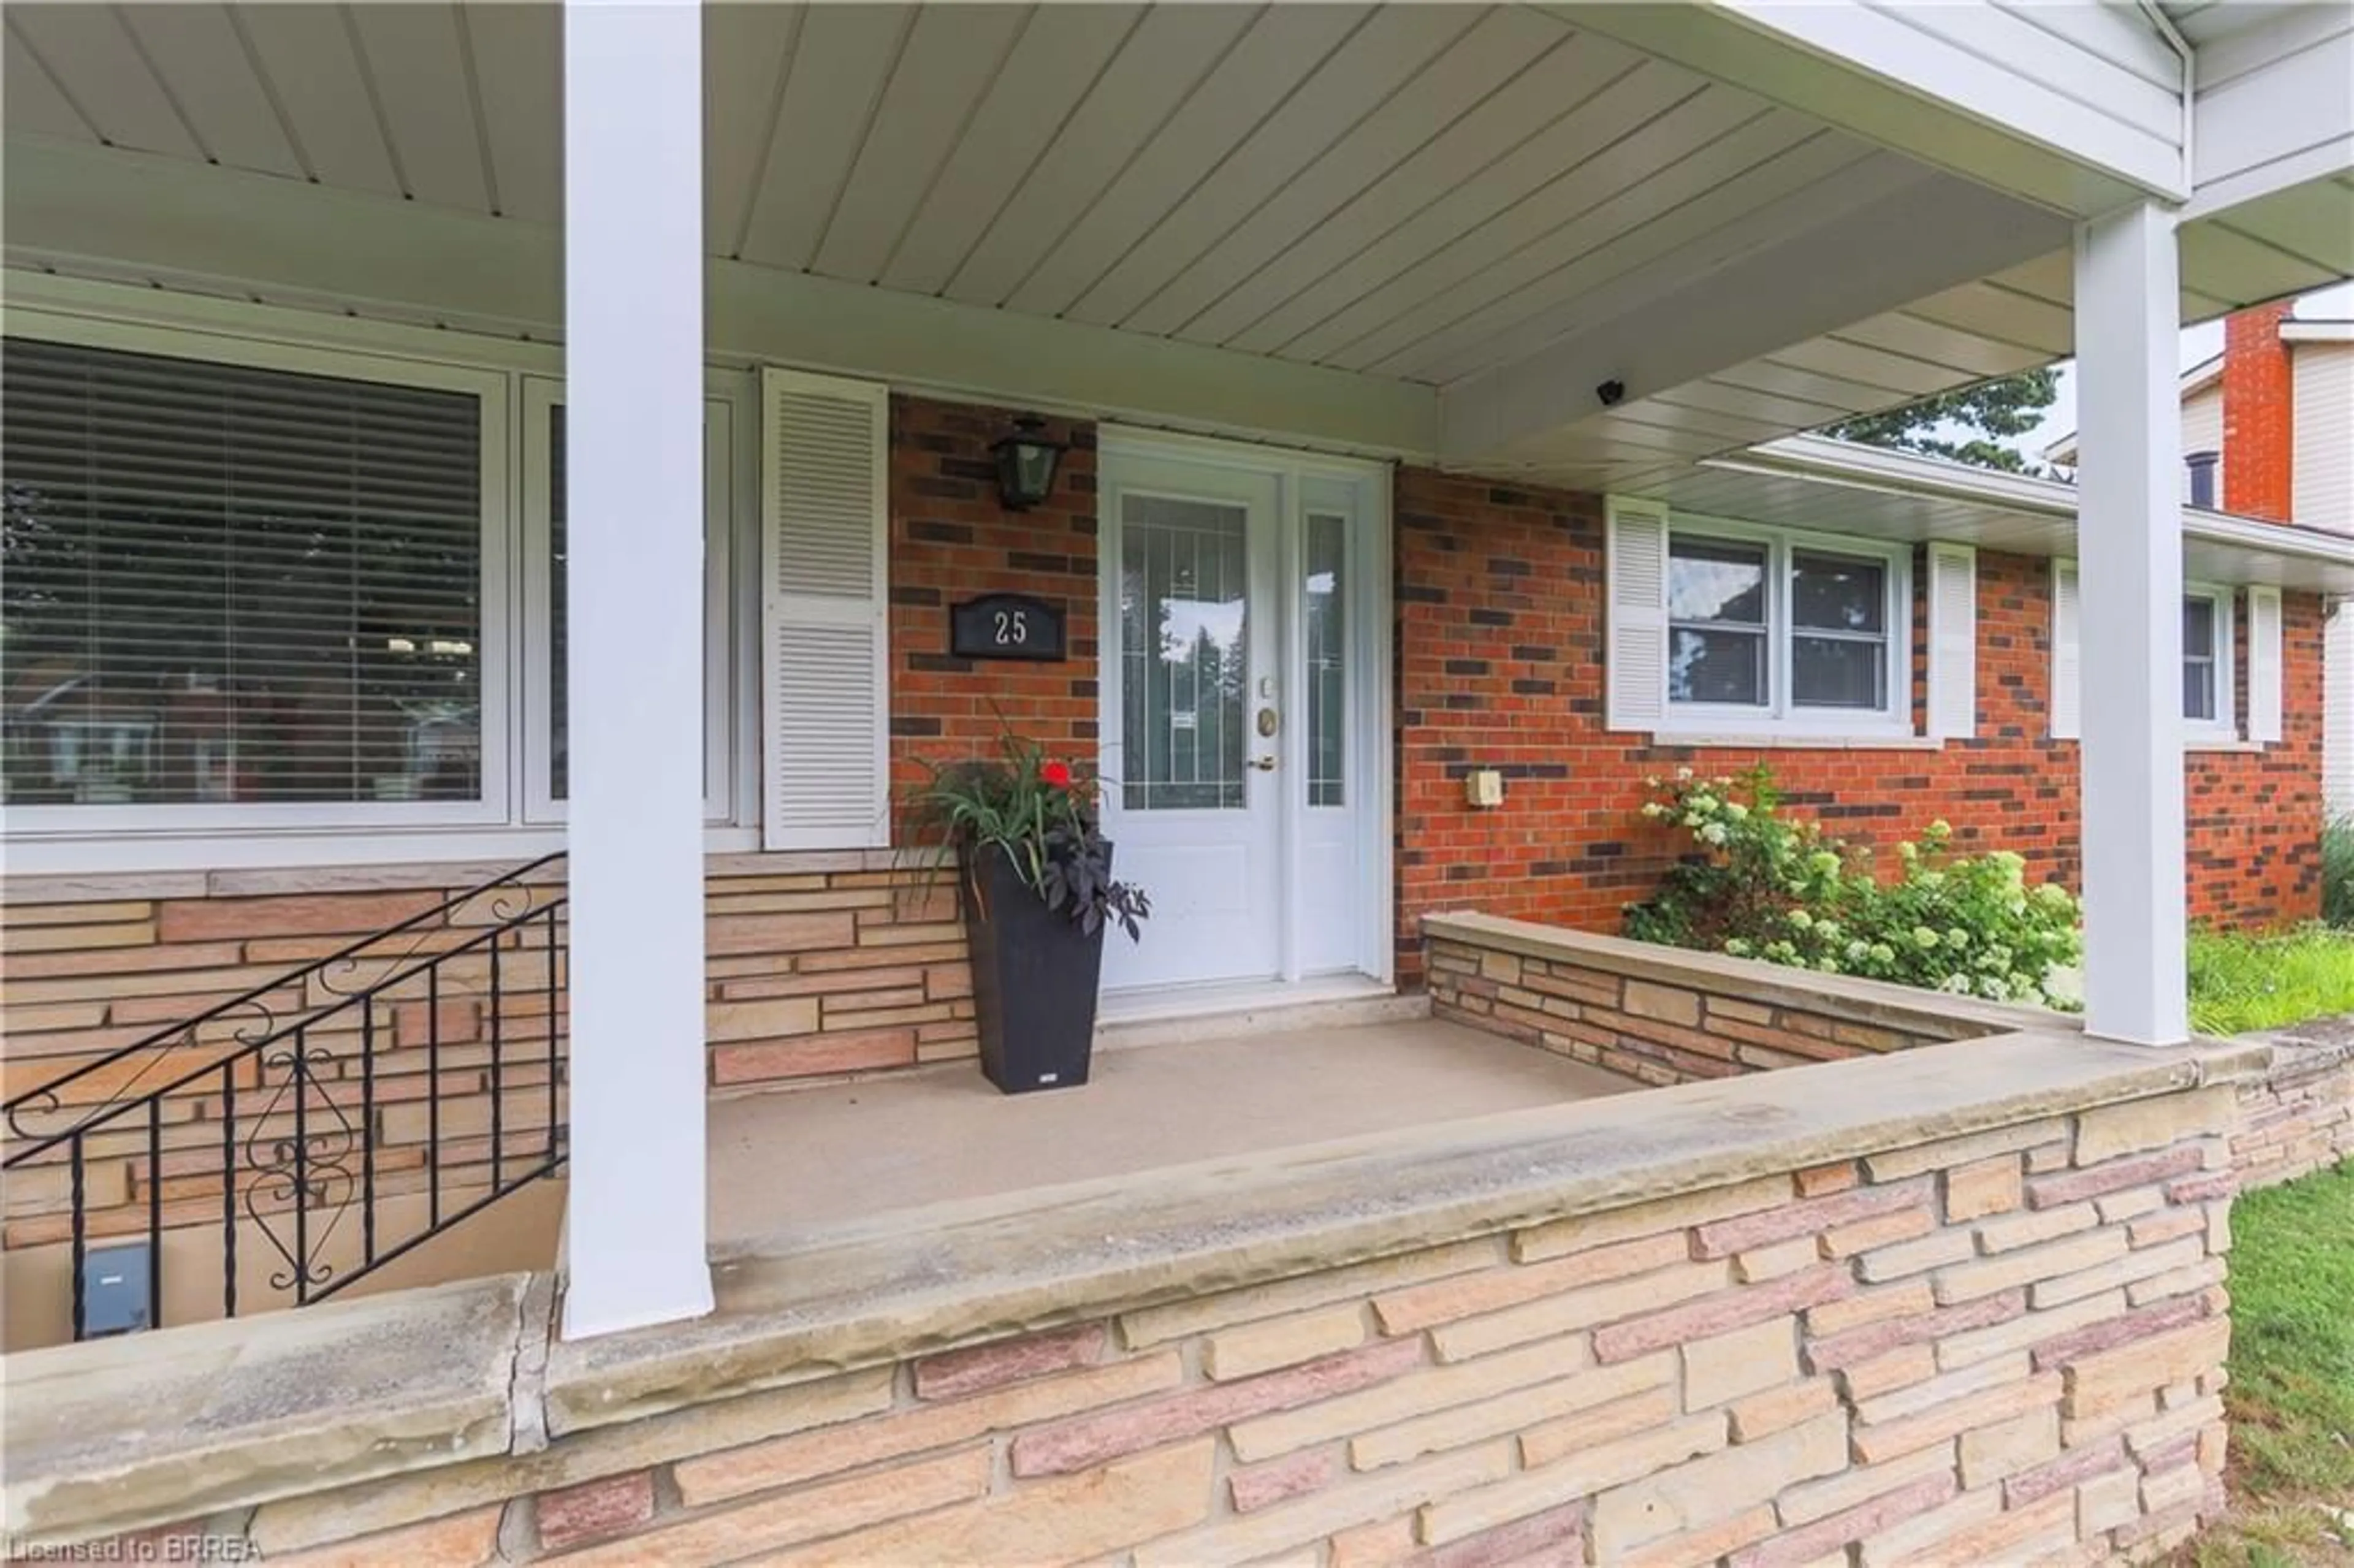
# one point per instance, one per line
(2337, 871)
(1766, 885)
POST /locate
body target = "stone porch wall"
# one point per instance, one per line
(2299, 1117)
(819, 964)
(2002, 1345)
(1667, 1017)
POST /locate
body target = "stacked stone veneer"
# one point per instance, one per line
(819, 964)
(2299, 1117)
(2003, 1347)
(1669, 1017)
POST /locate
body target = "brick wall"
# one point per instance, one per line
(1665, 1016)
(2000, 1347)
(2259, 420)
(950, 541)
(1499, 650)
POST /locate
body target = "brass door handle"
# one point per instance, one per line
(1264, 764)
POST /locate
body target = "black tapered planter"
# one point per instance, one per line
(1034, 979)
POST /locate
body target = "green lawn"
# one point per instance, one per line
(2242, 982)
(2291, 1395)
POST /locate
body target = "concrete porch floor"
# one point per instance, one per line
(790, 1158)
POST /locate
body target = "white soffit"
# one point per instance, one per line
(1807, 481)
(1416, 195)
(1368, 187)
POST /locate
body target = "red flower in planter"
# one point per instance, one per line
(1058, 774)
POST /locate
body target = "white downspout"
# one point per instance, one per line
(2189, 59)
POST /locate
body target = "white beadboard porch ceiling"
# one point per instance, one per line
(1414, 193)
(1355, 186)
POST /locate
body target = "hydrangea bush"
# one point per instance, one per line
(1766, 885)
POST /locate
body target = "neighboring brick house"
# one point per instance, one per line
(2268, 431)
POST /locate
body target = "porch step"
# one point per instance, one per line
(1224, 1012)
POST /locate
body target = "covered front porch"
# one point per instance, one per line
(1532, 246)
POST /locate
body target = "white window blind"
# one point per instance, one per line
(226, 583)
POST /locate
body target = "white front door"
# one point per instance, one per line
(1244, 742)
(1190, 557)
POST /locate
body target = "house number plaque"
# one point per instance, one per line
(1006, 626)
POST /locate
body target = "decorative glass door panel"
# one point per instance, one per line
(1324, 600)
(1184, 654)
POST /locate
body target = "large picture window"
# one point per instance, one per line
(267, 581)
(1765, 626)
(238, 584)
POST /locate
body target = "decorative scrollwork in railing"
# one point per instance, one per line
(48, 1099)
(303, 1076)
(305, 1175)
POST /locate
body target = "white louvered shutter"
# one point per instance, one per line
(2067, 703)
(2263, 665)
(1638, 585)
(1953, 640)
(825, 774)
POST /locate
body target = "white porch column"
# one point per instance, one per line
(2129, 563)
(634, 367)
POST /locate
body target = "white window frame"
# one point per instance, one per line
(496, 634)
(2225, 726)
(2221, 732)
(724, 506)
(502, 826)
(1781, 717)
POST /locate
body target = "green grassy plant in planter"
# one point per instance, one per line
(1036, 885)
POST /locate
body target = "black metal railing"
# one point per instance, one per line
(412, 1078)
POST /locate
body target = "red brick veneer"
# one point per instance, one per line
(950, 540)
(1499, 650)
(2259, 414)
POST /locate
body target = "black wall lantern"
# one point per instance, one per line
(1026, 462)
